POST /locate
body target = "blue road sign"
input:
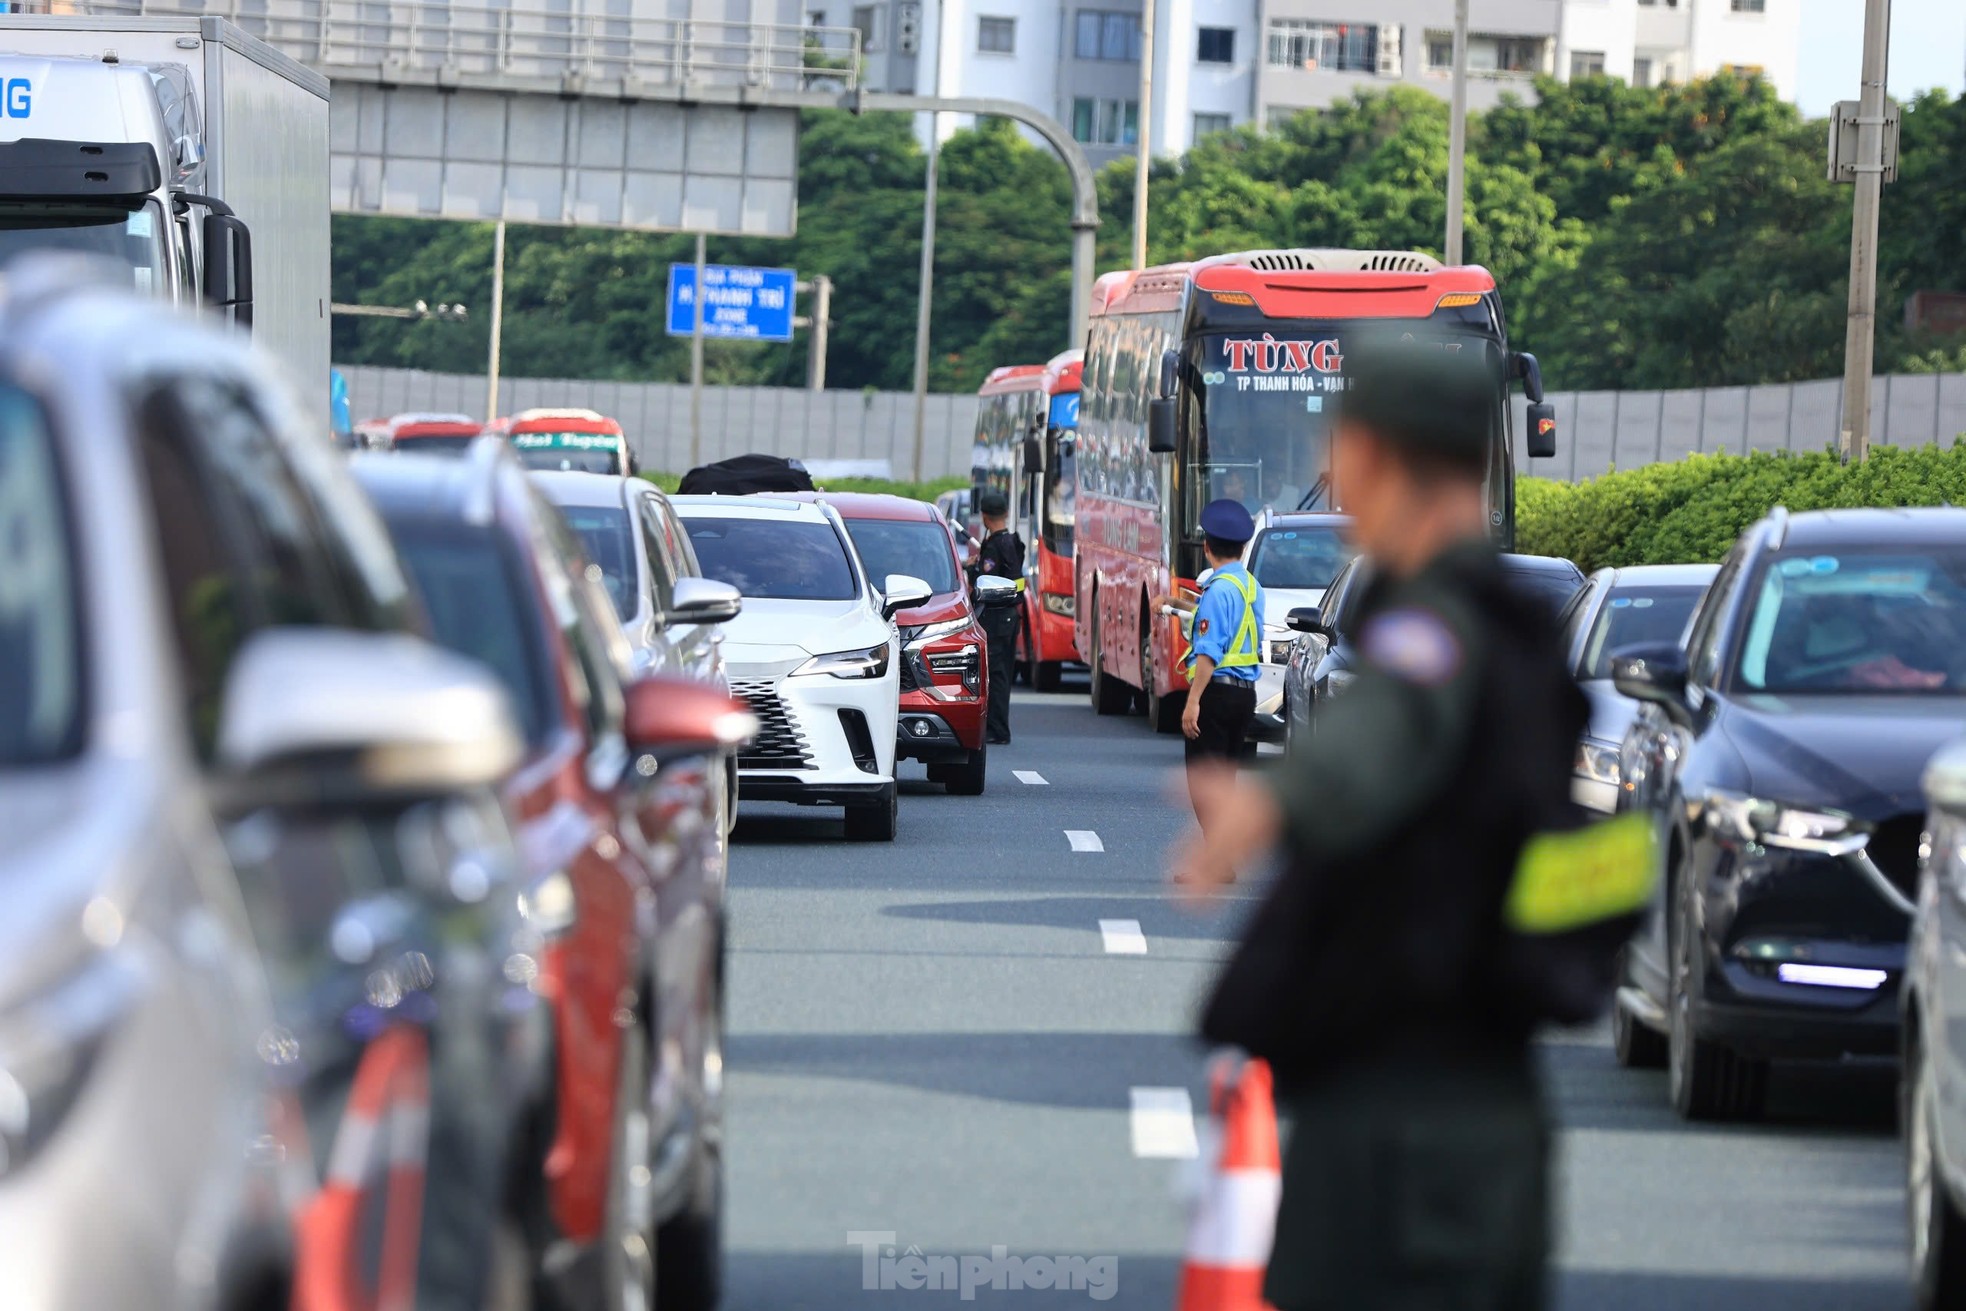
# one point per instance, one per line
(753, 304)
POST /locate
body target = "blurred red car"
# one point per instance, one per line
(944, 680)
(615, 805)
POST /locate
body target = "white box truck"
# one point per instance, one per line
(188, 149)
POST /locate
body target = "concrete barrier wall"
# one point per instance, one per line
(832, 425)
(1596, 431)
(1601, 431)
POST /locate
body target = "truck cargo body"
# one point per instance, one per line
(257, 142)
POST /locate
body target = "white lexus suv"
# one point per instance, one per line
(815, 652)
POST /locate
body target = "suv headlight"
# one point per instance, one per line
(1598, 761)
(914, 637)
(1741, 818)
(868, 662)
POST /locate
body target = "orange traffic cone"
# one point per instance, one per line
(1235, 1216)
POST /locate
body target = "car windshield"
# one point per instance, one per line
(1306, 558)
(40, 641)
(1552, 587)
(606, 540)
(134, 238)
(475, 596)
(786, 560)
(1858, 622)
(1633, 616)
(918, 547)
(565, 460)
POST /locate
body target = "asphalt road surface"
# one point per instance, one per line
(976, 1038)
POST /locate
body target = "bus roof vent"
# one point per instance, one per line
(1332, 261)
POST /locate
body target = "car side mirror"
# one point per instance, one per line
(1542, 431)
(992, 592)
(1654, 672)
(229, 266)
(703, 601)
(1307, 619)
(334, 717)
(670, 717)
(1160, 426)
(903, 592)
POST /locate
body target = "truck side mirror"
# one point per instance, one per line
(1542, 431)
(1523, 365)
(1160, 426)
(1170, 375)
(229, 267)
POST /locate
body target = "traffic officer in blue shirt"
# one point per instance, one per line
(1225, 643)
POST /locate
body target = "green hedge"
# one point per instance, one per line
(1693, 509)
(927, 491)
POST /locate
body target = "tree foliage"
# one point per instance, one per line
(1673, 236)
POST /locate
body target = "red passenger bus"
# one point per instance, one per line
(1220, 379)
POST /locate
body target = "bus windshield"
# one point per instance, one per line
(1261, 414)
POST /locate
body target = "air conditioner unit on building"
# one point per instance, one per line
(908, 27)
(1390, 62)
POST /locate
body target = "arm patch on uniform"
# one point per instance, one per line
(1412, 644)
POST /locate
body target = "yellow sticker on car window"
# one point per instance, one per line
(1581, 876)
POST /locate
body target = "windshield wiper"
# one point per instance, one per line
(1311, 497)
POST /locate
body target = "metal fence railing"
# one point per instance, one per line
(555, 43)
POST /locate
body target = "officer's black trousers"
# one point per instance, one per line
(1419, 1186)
(1002, 632)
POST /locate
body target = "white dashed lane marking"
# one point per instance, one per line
(1032, 777)
(1163, 1124)
(1123, 937)
(1084, 839)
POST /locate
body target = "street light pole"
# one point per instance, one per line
(498, 320)
(1860, 337)
(927, 284)
(822, 313)
(1143, 133)
(1457, 135)
(696, 360)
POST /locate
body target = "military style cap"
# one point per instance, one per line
(1425, 392)
(993, 504)
(1227, 520)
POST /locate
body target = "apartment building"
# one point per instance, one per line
(1221, 63)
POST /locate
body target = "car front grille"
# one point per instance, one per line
(1893, 848)
(779, 744)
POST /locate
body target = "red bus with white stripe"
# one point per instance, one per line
(1220, 378)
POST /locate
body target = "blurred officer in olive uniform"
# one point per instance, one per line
(1002, 556)
(1376, 974)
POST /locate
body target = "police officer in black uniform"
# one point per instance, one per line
(1002, 556)
(1376, 975)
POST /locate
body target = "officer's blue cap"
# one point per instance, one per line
(1227, 520)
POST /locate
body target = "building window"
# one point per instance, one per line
(996, 36)
(1209, 124)
(1488, 55)
(1105, 34)
(1106, 122)
(1586, 63)
(1641, 72)
(1748, 6)
(1324, 47)
(867, 18)
(1216, 45)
